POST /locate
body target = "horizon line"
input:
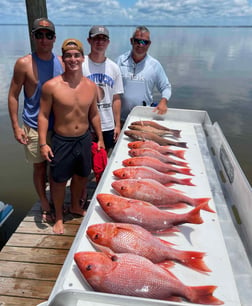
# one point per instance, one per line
(147, 25)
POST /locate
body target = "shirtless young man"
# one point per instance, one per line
(73, 100)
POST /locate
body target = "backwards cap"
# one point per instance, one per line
(43, 24)
(72, 44)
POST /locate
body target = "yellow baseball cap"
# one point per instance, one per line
(72, 44)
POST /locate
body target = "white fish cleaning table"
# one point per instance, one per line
(225, 236)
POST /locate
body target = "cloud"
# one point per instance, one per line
(156, 12)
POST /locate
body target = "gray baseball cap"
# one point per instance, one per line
(43, 24)
(98, 30)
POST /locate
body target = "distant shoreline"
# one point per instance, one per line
(134, 25)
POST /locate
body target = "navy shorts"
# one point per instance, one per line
(72, 155)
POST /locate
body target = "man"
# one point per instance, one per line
(73, 100)
(107, 76)
(141, 73)
(30, 73)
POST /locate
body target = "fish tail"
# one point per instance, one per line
(204, 201)
(181, 144)
(176, 133)
(203, 295)
(187, 181)
(180, 154)
(194, 216)
(185, 171)
(181, 163)
(193, 260)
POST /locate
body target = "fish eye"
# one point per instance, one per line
(124, 175)
(96, 236)
(89, 267)
(108, 204)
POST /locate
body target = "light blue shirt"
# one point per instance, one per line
(139, 80)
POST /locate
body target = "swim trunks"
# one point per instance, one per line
(72, 155)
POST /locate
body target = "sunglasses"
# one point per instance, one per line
(141, 41)
(41, 35)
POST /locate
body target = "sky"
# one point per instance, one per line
(136, 12)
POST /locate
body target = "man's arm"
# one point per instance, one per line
(117, 115)
(164, 88)
(43, 121)
(16, 85)
(95, 120)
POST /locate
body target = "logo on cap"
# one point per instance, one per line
(44, 23)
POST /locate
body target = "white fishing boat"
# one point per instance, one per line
(225, 236)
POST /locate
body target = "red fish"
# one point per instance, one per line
(156, 125)
(153, 153)
(155, 163)
(138, 144)
(155, 220)
(152, 191)
(133, 275)
(142, 172)
(139, 135)
(147, 128)
(131, 238)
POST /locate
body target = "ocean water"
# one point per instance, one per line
(209, 69)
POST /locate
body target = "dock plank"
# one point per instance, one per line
(31, 260)
(35, 255)
(45, 228)
(40, 241)
(37, 271)
(29, 288)
(14, 300)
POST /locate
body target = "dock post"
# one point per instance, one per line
(35, 9)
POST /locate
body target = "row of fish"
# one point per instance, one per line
(131, 260)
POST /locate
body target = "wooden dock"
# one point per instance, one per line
(32, 258)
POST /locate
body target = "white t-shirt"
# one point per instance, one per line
(107, 76)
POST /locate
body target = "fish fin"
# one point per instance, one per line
(203, 295)
(171, 230)
(167, 265)
(169, 184)
(174, 299)
(185, 181)
(102, 248)
(193, 260)
(166, 242)
(172, 206)
(204, 201)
